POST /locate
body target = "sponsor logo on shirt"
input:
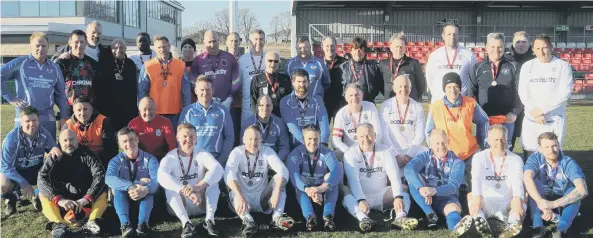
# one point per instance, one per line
(81, 83)
(445, 66)
(188, 177)
(398, 122)
(24, 162)
(543, 80)
(496, 178)
(252, 174)
(255, 72)
(218, 72)
(373, 170)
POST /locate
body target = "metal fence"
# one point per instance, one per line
(467, 33)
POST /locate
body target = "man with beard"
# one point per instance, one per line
(156, 133)
(73, 184)
(401, 64)
(363, 72)
(79, 70)
(450, 58)
(165, 81)
(42, 93)
(300, 109)
(336, 89)
(250, 65)
(143, 44)
(93, 130)
(319, 80)
(519, 52)
(23, 152)
(274, 133)
(272, 83)
(554, 182)
(221, 69)
(119, 79)
(494, 83)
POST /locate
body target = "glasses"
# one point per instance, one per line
(275, 61)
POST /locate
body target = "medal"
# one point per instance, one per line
(355, 123)
(402, 119)
(312, 164)
(165, 83)
(118, 76)
(274, 86)
(183, 167)
(402, 128)
(369, 165)
(494, 83)
(273, 95)
(449, 63)
(250, 183)
(369, 175)
(497, 175)
(497, 185)
(251, 171)
(184, 182)
(494, 69)
(302, 111)
(355, 137)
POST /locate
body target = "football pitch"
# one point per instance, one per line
(578, 144)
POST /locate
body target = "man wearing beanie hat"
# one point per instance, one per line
(455, 114)
(188, 50)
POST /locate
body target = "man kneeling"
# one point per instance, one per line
(497, 186)
(246, 175)
(369, 167)
(72, 186)
(132, 174)
(189, 177)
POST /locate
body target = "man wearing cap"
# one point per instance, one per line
(456, 114)
(493, 84)
(220, 67)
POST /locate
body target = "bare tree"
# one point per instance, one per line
(196, 31)
(275, 27)
(284, 19)
(247, 22)
(221, 22)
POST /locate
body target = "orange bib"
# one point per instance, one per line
(166, 93)
(461, 139)
(91, 137)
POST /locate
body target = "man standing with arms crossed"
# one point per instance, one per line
(164, 80)
(449, 58)
(42, 93)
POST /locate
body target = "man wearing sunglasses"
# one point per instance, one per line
(300, 109)
(272, 83)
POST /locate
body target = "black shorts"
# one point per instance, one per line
(30, 174)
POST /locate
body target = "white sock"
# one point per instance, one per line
(480, 214)
(401, 214)
(513, 218)
(276, 214)
(352, 206)
(212, 193)
(246, 217)
(176, 203)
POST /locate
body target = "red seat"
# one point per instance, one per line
(386, 44)
(378, 44)
(587, 55)
(589, 76)
(577, 55)
(383, 55)
(580, 50)
(440, 43)
(582, 68)
(419, 43)
(371, 56)
(414, 49)
(410, 43)
(431, 49)
(425, 49)
(565, 56)
(575, 61)
(568, 50)
(428, 43)
(417, 56)
(587, 61)
(588, 50)
(422, 61)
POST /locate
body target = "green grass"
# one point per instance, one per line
(578, 144)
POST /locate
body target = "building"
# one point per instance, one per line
(568, 22)
(124, 19)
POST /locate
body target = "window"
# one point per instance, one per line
(29, 9)
(67, 8)
(162, 11)
(9, 8)
(102, 10)
(131, 14)
(49, 8)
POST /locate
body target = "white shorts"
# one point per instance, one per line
(376, 200)
(252, 198)
(190, 208)
(498, 208)
(531, 130)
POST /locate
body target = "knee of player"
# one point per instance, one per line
(451, 207)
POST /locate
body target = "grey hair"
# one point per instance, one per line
(495, 36)
(399, 36)
(329, 37)
(406, 76)
(95, 23)
(352, 85)
(120, 41)
(366, 125)
(436, 132)
(499, 127)
(276, 54)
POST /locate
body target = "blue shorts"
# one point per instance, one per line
(439, 202)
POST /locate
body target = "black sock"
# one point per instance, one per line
(10, 197)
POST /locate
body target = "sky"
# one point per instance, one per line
(196, 11)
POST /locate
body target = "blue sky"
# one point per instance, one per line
(196, 11)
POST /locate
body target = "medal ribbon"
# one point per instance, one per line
(451, 114)
(273, 85)
(497, 174)
(267, 129)
(261, 59)
(553, 172)
(399, 64)
(399, 114)
(183, 167)
(352, 118)
(494, 69)
(355, 75)
(29, 149)
(135, 173)
(312, 164)
(163, 71)
(449, 63)
(372, 162)
(251, 172)
(438, 164)
(118, 69)
(303, 108)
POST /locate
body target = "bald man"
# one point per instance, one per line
(221, 68)
(272, 83)
(156, 133)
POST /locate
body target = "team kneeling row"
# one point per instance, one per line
(73, 184)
